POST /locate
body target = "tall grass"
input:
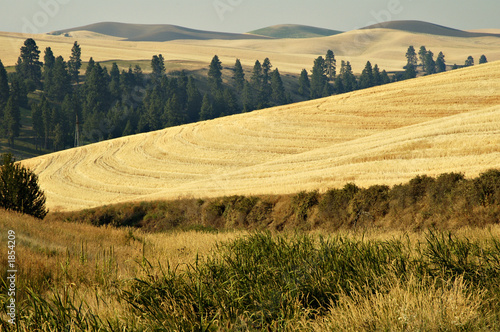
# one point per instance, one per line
(198, 281)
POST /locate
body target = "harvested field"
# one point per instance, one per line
(442, 123)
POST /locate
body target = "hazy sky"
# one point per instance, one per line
(244, 15)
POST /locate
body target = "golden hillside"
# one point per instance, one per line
(385, 47)
(388, 134)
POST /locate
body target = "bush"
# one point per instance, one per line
(19, 190)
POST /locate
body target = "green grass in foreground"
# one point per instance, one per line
(294, 283)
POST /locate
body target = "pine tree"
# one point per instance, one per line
(422, 53)
(331, 65)
(215, 73)
(440, 63)
(75, 62)
(90, 66)
(239, 76)
(48, 59)
(248, 98)
(37, 122)
(158, 67)
(47, 121)
(60, 84)
(4, 88)
(348, 78)
(318, 78)
(411, 57)
(194, 100)
(410, 72)
(366, 79)
(12, 120)
(377, 79)
(278, 94)
(430, 64)
(469, 62)
(114, 83)
(28, 66)
(257, 81)
(19, 189)
(207, 111)
(483, 59)
(304, 84)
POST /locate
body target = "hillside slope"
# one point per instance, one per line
(385, 47)
(384, 134)
(429, 28)
(294, 31)
(153, 32)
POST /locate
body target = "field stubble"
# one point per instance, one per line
(442, 123)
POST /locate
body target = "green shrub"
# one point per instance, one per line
(19, 190)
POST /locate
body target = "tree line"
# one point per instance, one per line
(110, 104)
(424, 60)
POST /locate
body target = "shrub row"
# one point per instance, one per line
(446, 201)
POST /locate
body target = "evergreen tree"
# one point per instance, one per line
(60, 83)
(469, 62)
(483, 59)
(278, 94)
(28, 66)
(248, 98)
(366, 79)
(348, 78)
(114, 83)
(194, 100)
(440, 63)
(411, 57)
(19, 90)
(304, 84)
(4, 88)
(384, 77)
(318, 78)
(37, 122)
(158, 67)
(46, 112)
(215, 73)
(377, 79)
(239, 76)
(48, 59)
(230, 104)
(173, 112)
(90, 66)
(430, 64)
(266, 82)
(410, 72)
(207, 111)
(422, 53)
(75, 62)
(257, 81)
(19, 190)
(12, 120)
(331, 65)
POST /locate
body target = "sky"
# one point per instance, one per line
(41, 16)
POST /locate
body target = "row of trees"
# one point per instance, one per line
(429, 66)
(324, 80)
(114, 103)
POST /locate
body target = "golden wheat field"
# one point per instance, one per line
(382, 46)
(388, 134)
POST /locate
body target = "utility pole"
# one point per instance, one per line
(77, 132)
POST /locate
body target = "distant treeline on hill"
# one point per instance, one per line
(112, 104)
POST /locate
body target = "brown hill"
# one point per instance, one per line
(154, 32)
(428, 28)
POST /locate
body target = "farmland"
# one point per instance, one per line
(388, 134)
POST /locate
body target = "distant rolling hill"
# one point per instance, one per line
(428, 28)
(154, 32)
(294, 31)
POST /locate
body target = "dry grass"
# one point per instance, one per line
(442, 123)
